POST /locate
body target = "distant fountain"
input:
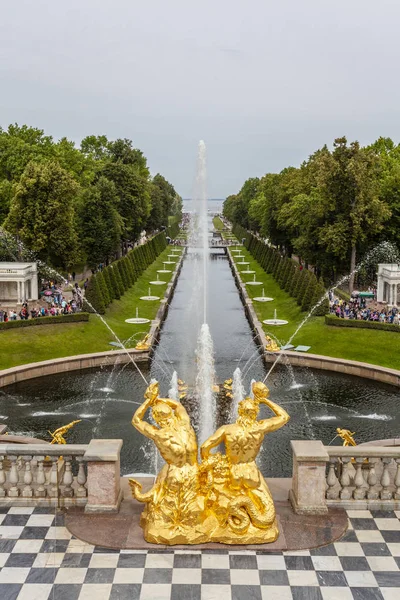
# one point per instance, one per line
(164, 270)
(137, 320)
(262, 298)
(275, 320)
(254, 282)
(238, 393)
(158, 281)
(149, 296)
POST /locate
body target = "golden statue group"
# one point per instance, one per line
(222, 499)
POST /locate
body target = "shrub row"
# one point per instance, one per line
(343, 295)
(72, 318)
(113, 281)
(338, 322)
(173, 229)
(302, 285)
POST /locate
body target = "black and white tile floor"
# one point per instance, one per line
(40, 560)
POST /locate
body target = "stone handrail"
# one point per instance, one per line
(353, 477)
(366, 475)
(85, 475)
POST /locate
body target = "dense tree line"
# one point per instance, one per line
(301, 284)
(72, 205)
(331, 210)
(112, 282)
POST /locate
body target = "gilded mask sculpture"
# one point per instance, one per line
(224, 498)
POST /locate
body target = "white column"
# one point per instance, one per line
(34, 287)
(19, 292)
(380, 293)
(23, 291)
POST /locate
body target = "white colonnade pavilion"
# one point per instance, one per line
(388, 280)
(18, 282)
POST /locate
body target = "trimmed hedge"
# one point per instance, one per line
(72, 318)
(338, 322)
(343, 295)
(113, 281)
(173, 230)
(299, 283)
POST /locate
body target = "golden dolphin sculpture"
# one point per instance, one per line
(224, 498)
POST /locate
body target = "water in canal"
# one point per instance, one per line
(106, 399)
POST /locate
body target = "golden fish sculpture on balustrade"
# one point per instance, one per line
(222, 499)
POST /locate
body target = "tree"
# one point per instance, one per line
(42, 213)
(94, 296)
(350, 184)
(134, 203)
(99, 222)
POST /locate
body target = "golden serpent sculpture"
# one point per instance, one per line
(222, 499)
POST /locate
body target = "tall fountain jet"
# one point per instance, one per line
(205, 379)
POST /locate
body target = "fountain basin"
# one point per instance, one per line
(247, 272)
(253, 282)
(149, 297)
(137, 320)
(275, 322)
(158, 282)
(262, 299)
(243, 263)
(164, 271)
(169, 262)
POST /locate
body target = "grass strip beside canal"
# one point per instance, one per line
(33, 344)
(365, 345)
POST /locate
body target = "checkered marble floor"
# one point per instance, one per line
(40, 560)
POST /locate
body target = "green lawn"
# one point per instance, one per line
(218, 224)
(33, 344)
(366, 345)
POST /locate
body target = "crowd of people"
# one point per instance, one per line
(358, 308)
(55, 304)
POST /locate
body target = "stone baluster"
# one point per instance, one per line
(53, 483)
(13, 491)
(360, 491)
(345, 480)
(27, 491)
(2, 478)
(386, 494)
(68, 492)
(81, 492)
(397, 480)
(332, 481)
(40, 491)
(372, 480)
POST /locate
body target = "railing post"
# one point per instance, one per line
(103, 476)
(307, 495)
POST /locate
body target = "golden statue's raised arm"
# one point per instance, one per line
(138, 420)
(261, 393)
(273, 423)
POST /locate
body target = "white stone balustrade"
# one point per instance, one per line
(360, 477)
(67, 475)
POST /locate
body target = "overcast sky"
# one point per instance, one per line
(264, 83)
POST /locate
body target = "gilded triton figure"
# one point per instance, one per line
(225, 498)
(173, 505)
(250, 511)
